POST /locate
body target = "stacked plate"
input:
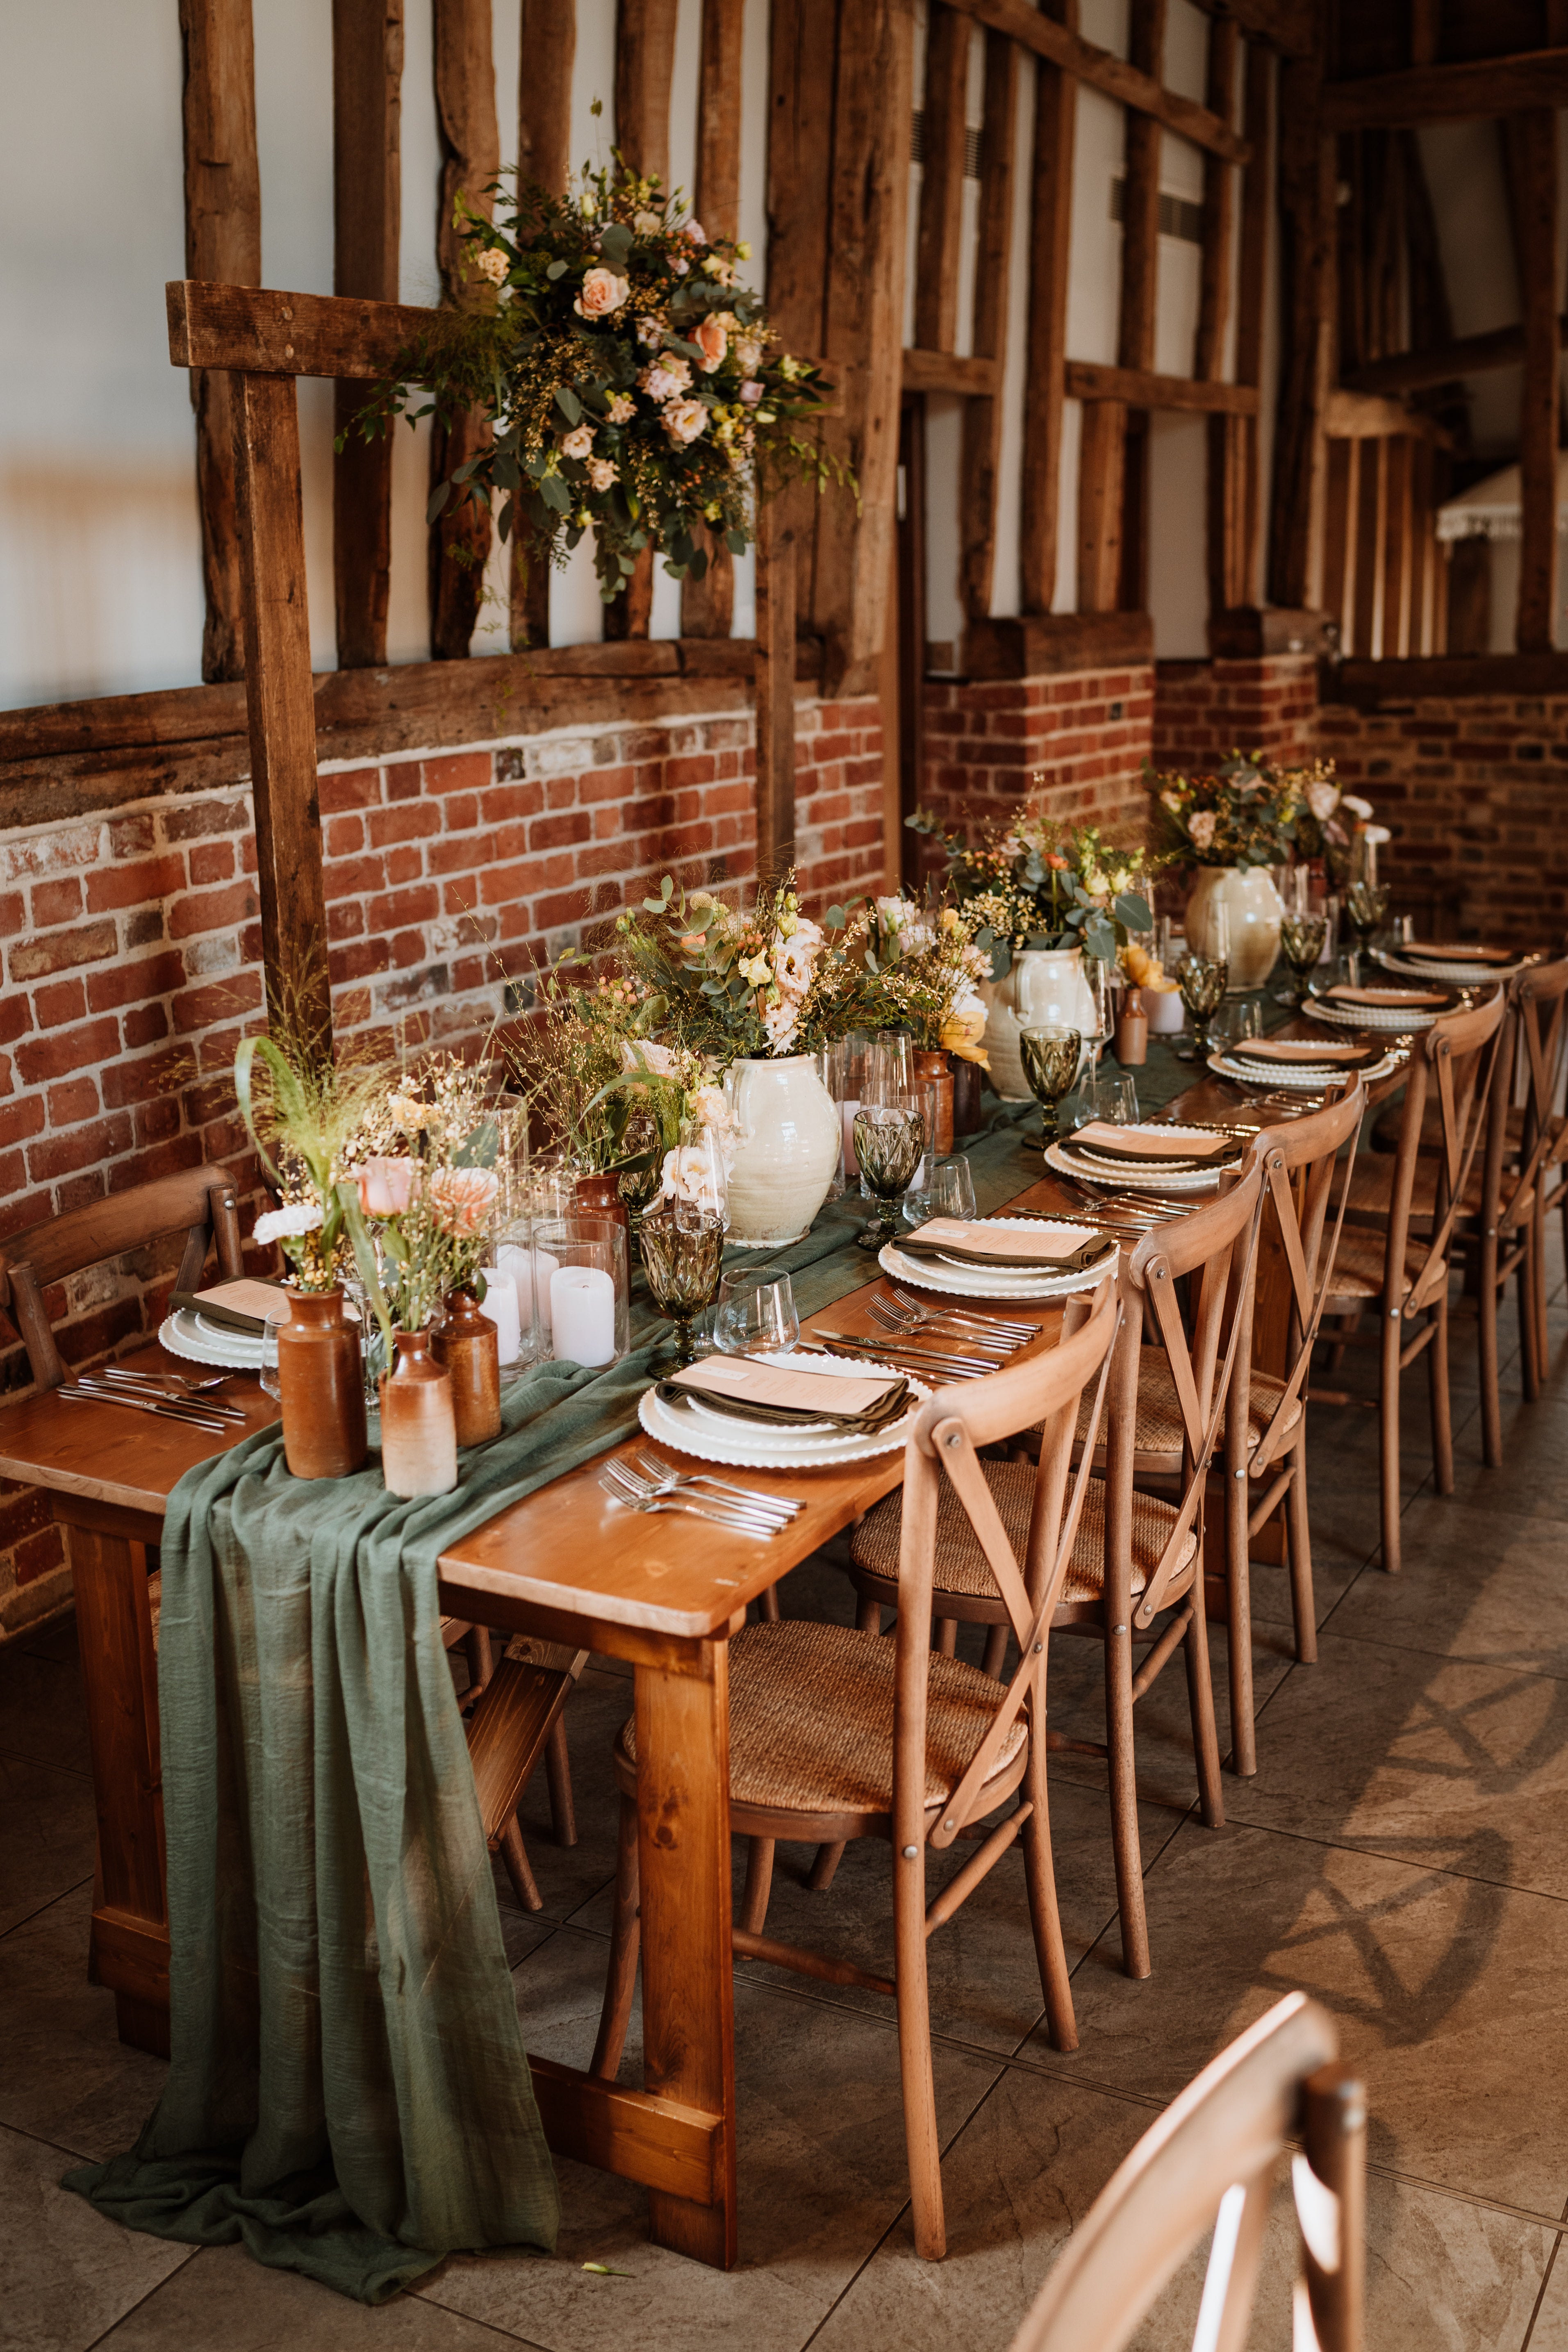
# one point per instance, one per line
(957, 1277)
(711, 1434)
(1307, 1071)
(1155, 1158)
(1399, 1010)
(1470, 967)
(188, 1333)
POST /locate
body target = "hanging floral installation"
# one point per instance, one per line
(635, 385)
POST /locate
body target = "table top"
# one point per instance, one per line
(566, 1547)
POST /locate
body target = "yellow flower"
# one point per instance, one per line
(961, 1034)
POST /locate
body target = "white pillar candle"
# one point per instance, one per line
(500, 1303)
(530, 1271)
(583, 1314)
(851, 1165)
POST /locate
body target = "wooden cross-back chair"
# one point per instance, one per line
(1137, 1554)
(1395, 1257)
(200, 1200)
(836, 1734)
(1529, 1177)
(1210, 2163)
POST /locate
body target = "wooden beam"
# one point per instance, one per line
(645, 67)
(1361, 416)
(1398, 564)
(1380, 685)
(1532, 147)
(1287, 27)
(223, 242)
(459, 540)
(776, 602)
(1448, 362)
(708, 605)
(1252, 296)
(1140, 388)
(1050, 239)
(1113, 462)
(911, 572)
(1041, 645)
(659, 2142)
(1050, 37)
(280, 709)
(978, 375)
(1140, 207)
(367, 178)
(863, 323)
(941, 227)
(1101, 452)
(1424, 15)
(1341, 494)
(262, 331)
(547, 52)
(979, 465)
(1479, 87)
(1225, 479)
(1368, 524)
(1307, 210)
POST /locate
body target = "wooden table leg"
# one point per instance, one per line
(120, 1674)
(683, 1847)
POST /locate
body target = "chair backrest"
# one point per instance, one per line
(1297, 1159)
(1538, 1001)
(1459, 1061)
(1218, 1244)
(1210, 2161)
(944, 1446)
(200, 1200)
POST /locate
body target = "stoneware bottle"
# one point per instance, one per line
(1133, 1032)
(418, 1437)
(968, 1117)
(321, 1387)
(935, 1069)
(468, 1344)
(600, 1196)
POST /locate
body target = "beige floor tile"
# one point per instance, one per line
(1436, 1759)
(67, 2273)
(224, 2299)
(65, 2074)
(49, 1832)
(1550, 2333)
(42, 1713)
(1482, 1579)
(1447, 1992)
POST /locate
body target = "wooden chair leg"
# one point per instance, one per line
(945, 1633)
(1388, 1442)
(514, 1853)
(1486, 1315)
(1442, 1413)
(626, 1939)
(768, 1605)
(1125, 1843)
(759, 1883)
(914, 2057)
(1200, 1702)
(481, 1662)
(868, 1616)
(1044, 1914)
(995, 1653)
(558, 1772)
(1531, 1294)
(1299, 1542)
(1238, 1627)
(823, 1869)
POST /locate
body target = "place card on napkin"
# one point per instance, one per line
(1055, 1249)
(757, 1391)
(1306, 1052)
(246, 1305)
(1174, 1145)
(1433, 951)
(1395, 1000)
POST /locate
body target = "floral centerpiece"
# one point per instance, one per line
(635, 385)
(1233, 824)
(1036, 884)
(931, 969)
(420, 1216)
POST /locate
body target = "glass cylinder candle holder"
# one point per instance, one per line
(589, 1293)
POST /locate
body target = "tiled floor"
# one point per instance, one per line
(1400, 1854)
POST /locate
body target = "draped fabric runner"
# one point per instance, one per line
(349, 2093)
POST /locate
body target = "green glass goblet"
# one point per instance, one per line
(1203, 980)
(682, 1260)
(1302, 939)
(1366, 911)
(890, 1144)
(1050, 1058)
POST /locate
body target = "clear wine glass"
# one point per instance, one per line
(1050, 1058)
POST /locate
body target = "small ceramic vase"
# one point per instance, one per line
(321, 1387)
(935, 1069)
(468, 1344)
(418, 1437)
(600, 1196)
(968, 1117)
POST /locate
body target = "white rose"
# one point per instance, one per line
(603, 471)
(779, 1022)
(685, 419)
(689, 1175)
(623, 408)
(1201, 827)
(650, 332)
(748, 354)
(603, 294)
(1322, 798)
(646, 224)
(278, 1225)
(641, 1053)
(579, 443)
(493, 264)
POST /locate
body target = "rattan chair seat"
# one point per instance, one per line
(1371, 1184)
(811, 1721)
(962, 1567)
(1358, 1264)
(1158, 1428)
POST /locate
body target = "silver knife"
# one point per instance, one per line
(905, 1348)
(221, 1410)
(167, 1411)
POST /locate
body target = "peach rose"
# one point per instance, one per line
(386, 1186)
(685, 419)
(603, 471)
(462, 1200)
(603, 292)
(578, 443)
(712, 340)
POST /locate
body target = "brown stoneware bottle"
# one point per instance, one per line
(418, 1436)
(935, 1069)
(321, 1387)
(468, 1344)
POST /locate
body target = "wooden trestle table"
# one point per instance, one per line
(664, 1593)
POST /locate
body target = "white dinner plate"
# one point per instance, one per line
(1304, 1077)
(1457, 975)
(958, 1281)
(733, 1441)
(1402, 1020)
(1123, 1179)
(188, 1334)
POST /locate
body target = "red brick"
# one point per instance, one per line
(144, 1024)
(79, 1147)
(215, 910)
(211, 861)
(64, 1050)
(76, 1100)
(220, 1000)
(410, 821)
(467, 772)
(57, 902)
(198, 820)
(35, 959)
(20, 1119)
(133, 886)
(356, 788)
(402, 781)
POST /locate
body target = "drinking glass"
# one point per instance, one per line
(756, 1314)
(703, 1187)
(889, 1067)
(681, 1257)
(1302, 939)
(1366, 908)
(269, 1359)
(1098, 977)
(1202, 981)
(1110, 1098)
(1236, 1021)
(922, 1094)
(1050, 1059)
(642, 1189)
(953, 1190)
(890, 1144)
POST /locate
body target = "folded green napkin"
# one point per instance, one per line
(891, 1406)
(1226, 1157)
(1050, 1258)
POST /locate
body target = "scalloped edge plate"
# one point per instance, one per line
(1186, 1181)
(669, 1427)
(1291, 1076)
(199, 1343)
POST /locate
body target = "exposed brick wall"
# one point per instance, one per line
(1085, 735)
(132, 955)
(1474, 791)
(1203, 709)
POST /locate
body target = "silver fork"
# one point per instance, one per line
(935, 1328)
(622, 1486)
(998, 1324)
(668, 1478)
(163, 1379)
(149, 1393)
